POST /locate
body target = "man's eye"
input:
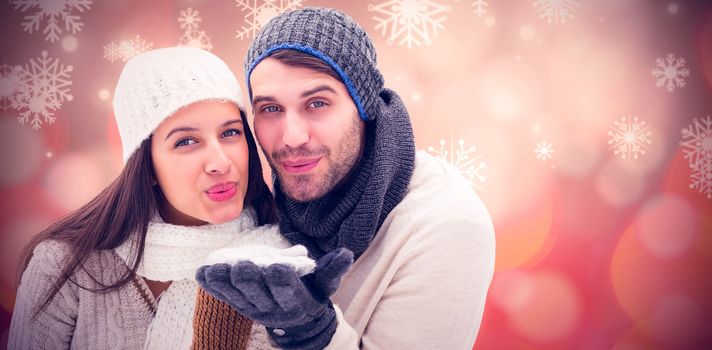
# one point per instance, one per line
(231, 132)
(318, 104)
(184, 142)
(271, 109)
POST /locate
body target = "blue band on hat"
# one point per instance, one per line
(320, 55)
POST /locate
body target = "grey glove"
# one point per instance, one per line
(296, 311)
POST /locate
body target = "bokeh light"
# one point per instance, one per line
(667, 226)
(104, 94)
(86, 173)
(617, 186)
(525, 239)
(527, 32)
(543, 306)
(70, 43)
(592, 251)
(644, 282)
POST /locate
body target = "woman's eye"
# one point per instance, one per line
(231, 132)
(184, 142)
(317, 104)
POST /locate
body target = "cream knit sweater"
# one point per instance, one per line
(130, 318)
(423, 281)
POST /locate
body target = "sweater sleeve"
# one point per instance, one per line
(54, 326)
(436, 297)
(216, 325)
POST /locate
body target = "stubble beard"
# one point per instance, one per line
(310, 187)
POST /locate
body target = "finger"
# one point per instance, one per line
(340, 263)
(249, 279)
(217, 278)
(287, 289)
(200, 276)
(326, 259)
(328, 278)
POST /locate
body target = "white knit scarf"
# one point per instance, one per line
(175, 252)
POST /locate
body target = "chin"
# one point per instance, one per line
(226, 215)
(300, 189)
(302, 196)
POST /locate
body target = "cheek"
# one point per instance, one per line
(266, 132)
(241, 160)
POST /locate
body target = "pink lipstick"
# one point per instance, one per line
(222, 192)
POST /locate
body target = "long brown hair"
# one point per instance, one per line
(123, 210)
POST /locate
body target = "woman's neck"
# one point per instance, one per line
(157, 287)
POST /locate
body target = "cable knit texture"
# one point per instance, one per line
(124, 319)
(218, 326)
(78, 318)
(155, 84)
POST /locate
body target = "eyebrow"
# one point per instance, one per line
(187, 128)
(319, 88)
(258, 99)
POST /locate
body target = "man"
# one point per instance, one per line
(349, 181)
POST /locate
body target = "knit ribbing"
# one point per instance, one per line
(350, 216)
(157, 83)
(331, 36)
(216, 325)
(174, 252)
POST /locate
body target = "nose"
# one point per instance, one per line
(296, 132)
(217, 160)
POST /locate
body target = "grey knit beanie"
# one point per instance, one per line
(331, 36)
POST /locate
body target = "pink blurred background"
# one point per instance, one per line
(584, 125)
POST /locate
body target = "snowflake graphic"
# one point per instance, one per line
(556, 11)
(629, 137)
(670, 72)
(259, 12)
(465, 160)
(480, 7)
(9, 85)
(126, 49)
(193, 37)
(189, 20)
(697, 148)
(197, 39)
(111, 52)
(44, 86)
(55, 11)
(410, 22)
(544, 151)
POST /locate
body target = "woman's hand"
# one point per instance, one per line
(296, 311)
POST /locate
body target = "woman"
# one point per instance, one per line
(191, 186)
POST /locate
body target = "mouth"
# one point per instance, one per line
(222, 192)
(301, 165)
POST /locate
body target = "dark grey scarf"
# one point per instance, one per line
(349, 216)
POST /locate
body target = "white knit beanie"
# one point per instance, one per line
(155, 84)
